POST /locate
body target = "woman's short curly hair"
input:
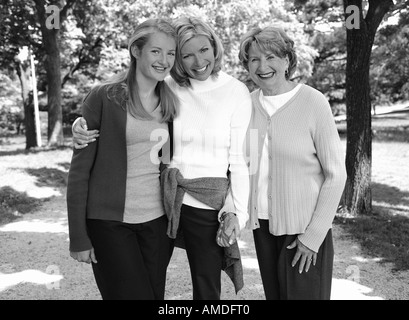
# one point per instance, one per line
(186, 29)
(269, 39)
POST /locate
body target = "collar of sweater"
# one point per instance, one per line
(210, 83)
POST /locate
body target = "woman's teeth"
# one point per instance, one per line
(159, 69)
(201, 69)
(266, 75)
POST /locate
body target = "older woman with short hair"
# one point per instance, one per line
(298, 172)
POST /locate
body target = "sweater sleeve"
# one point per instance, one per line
(239, 174)
(331, 157)
(78, 178)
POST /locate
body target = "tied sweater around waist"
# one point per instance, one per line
(209, 190)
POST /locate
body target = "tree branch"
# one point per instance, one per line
(82, 61)
(399, 6)
(63, 12)
(376, 12)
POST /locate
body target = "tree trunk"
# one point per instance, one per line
(358, 195)
(23, 72)
(53, 68)
(55, 132)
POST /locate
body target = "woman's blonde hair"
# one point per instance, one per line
(123, 87)
(270, 39)
(186, 29)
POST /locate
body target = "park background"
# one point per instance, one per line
(78, 43)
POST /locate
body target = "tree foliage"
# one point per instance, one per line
(92, 42)
(390, 62)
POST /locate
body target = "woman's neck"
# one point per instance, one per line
(283, 87)
(146, 86)
(147, 93)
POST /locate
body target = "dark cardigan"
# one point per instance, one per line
(97, 177)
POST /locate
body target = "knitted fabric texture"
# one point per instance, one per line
(212, 191)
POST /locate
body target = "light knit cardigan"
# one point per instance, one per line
(307, 167)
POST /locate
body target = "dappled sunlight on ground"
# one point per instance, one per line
(344, 289)
(249, 263)
(20, 182)
(50, 278)
(401, 209)
(37, 225)
(362, 259)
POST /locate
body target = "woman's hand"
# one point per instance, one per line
(304, 254)
(86, 256)
(81, 136)
(229, 230)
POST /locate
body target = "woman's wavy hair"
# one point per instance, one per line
(186, 29)
(269, 39)
(123, 87)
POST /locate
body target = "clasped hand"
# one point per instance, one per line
(229, 230)
(86, 256)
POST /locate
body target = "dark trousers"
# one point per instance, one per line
(199, 228)
(131, 258)
(280, 280)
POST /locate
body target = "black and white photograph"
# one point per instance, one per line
(221, 152)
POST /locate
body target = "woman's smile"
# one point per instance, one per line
(266, 75)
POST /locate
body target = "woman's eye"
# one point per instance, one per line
(155, 51)
(204, 50)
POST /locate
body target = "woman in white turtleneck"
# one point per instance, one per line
(209, 136)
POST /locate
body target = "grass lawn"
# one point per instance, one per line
(385, 233)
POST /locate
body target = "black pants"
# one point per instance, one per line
(131, 258)
(199, 227)
(280, 280)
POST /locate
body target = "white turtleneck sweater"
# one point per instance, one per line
(209, 135)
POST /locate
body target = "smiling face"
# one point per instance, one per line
(156, 58)
(267, 70)
(198, 57)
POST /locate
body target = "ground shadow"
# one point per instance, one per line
(33, 150)
(65, 165)
(49, 177)
(394, 134)
(385, 232)
(14, 204)
(390, 195)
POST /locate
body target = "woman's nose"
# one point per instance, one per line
(163, 59)
(263, 64)
(199, 61)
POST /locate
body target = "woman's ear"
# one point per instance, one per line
(135, 51)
